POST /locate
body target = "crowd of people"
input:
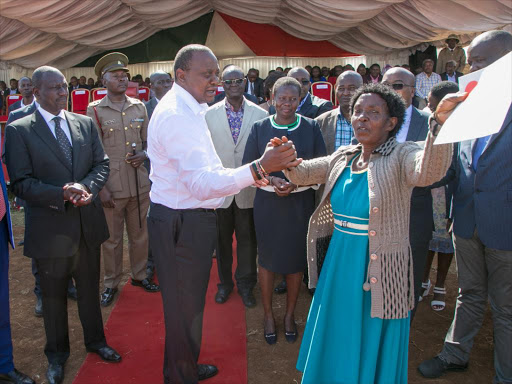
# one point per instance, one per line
(352, 199)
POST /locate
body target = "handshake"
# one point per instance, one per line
(280, 154)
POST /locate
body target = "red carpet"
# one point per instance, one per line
(136, 330)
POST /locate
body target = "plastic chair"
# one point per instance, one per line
(80, 100)
(144, 93)
(11, 99)
(322, 89)
(98, 93)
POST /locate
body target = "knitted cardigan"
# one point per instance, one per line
(393, 172)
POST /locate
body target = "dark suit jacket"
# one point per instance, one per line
(422, 215)
(222, 95)
(150, 106)
(38, 171)
(15, 106)
(444, 76)
(483, 199)
(258, 87)
(314, 107)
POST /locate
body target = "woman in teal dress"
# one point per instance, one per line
(358, 325)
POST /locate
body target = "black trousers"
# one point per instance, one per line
(240, 221)
(183, 242)
(54, 274)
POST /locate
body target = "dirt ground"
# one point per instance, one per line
(266, 364)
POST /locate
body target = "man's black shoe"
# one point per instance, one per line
(248, 299)
(108, 296)
(147, 284)
(107, 353)
(436, 367)
(281, 288)
(15, 377)
(150, 272)
(206, 371)
(222, 295)
(55, 373)
(38, 310)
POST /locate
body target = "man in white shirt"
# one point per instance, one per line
(189, 183)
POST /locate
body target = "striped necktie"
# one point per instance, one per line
(63, 141)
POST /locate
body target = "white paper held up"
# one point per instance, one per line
(486, 107)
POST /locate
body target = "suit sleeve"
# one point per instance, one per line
(320, 148)
(98, 175)
(23, 183)
(324, 107)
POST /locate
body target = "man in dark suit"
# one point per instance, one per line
(8, 374)
(57, 165)
(414, 128)
(309, 106)
(482, 228)
(254, 85)
(25, 87)
(161, 83)
(451, 74)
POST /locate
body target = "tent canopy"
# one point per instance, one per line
(64, 33)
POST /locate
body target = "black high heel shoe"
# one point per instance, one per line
(291, 337)
(270, 338)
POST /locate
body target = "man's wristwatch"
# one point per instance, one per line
(146, 154)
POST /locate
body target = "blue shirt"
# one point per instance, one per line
(481, 143)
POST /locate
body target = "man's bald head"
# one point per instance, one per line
(42, 72)
(233, 69)
(302, 76)
(401, 78)
(346, 85)
(488, 47)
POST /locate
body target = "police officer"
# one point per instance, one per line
(123, 122)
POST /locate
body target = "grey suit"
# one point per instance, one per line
(150, 106)
(327, 122)
(64, 240)
(421, 219)
(482, 217)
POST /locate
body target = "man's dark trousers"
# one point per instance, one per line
(55, 274)
(240, 221)
(182, 242)
(6, 364)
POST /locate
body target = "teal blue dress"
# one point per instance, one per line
(342, 343)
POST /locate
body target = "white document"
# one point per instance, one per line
(486, 107)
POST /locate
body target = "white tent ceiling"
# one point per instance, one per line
(65, 32)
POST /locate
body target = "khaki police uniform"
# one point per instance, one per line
(118, 129)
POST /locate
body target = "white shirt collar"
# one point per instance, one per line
(48, 117)
(401, 135)
(189, 100)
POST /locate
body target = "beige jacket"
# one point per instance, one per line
(446, 55)
(231, 154)
(392, 174)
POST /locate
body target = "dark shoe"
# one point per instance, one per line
(270, 338)
(107, 353)
(15, 377)
(281, 288)
(291, 337)
(38, 310)
(248, 299)
(55, 373)
(72, 294)
(222, 295)
(150, 272)
(147, 284)
(206, 371)
(108, 296)
(436, 367)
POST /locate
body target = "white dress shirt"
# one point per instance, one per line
(401, 135)
(185, 169)
(51, 124)
(451, 78)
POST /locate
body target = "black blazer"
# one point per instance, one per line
(258, 87)
(150, 106)
(422, 215)
(444, 76)
(38, 170)
(314, 107)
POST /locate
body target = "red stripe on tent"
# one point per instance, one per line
(269, 40)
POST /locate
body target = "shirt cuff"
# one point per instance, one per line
(243, 176)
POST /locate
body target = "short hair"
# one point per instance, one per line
(231, 68)
(25, 78)
(39, 73)
(12, 80)
(287, 82)
(269, 82)
(443, 88)
(426, 61)
(451, 62)
(394, 102)
(374, 65)
(157, 73)
(184, 56)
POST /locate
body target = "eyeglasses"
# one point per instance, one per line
(235, 81)
(398, 86)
